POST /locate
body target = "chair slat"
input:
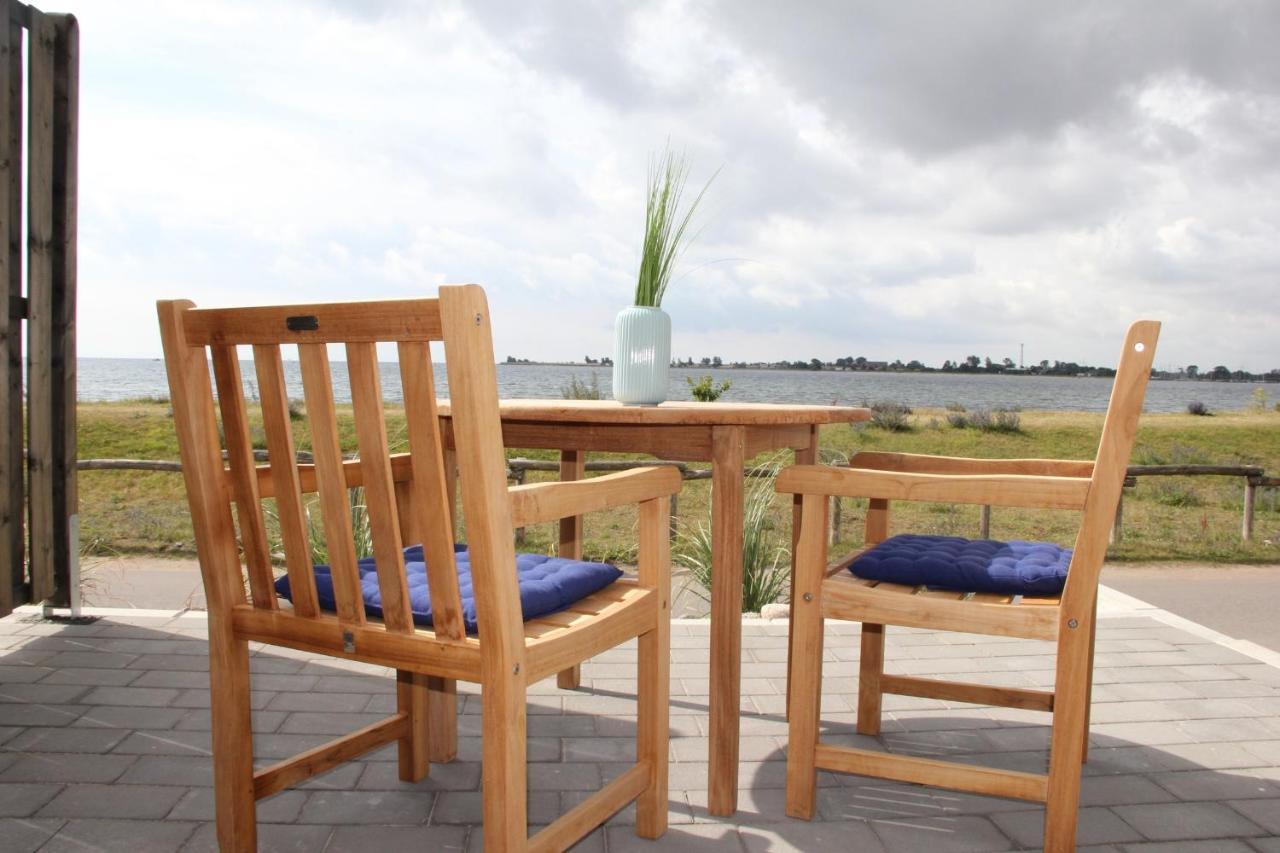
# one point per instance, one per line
(244, 476)
(317, 388)
(284, 477)
(339, 322)
(379, 488)
(431, 497)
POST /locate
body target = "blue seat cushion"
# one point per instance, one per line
(967, 565)
(547, 584)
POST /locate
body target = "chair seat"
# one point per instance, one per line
(547, 585)
(966, 565)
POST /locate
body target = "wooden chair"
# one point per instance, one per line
(409, 499)
(1093, 488)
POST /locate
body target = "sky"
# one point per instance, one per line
(914, 180)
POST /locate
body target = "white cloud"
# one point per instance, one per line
(903, 181)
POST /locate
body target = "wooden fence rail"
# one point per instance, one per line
(518, 468)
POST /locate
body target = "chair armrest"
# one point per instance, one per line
(992, 489)
(917, 463)
(539, 502)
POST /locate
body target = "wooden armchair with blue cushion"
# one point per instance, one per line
(1012, 589)
(432, 611)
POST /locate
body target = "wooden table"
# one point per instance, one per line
(724, 434)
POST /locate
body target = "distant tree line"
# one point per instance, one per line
(969, 364)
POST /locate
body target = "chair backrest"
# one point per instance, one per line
(1111, 465)
(406, 495)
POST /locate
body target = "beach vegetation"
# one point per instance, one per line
(706, 389)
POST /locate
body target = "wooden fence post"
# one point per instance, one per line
(13, 311)
(1250, 494)
(1117, 527)
(836, 512)
(984, 524)
(50, 500)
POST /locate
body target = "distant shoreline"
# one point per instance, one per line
(1157, 376)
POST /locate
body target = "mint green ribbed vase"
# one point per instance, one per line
(641, 355)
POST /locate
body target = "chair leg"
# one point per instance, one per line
(653, 727)
(504, 774)
(442, 714)
(870, 668)
(1088, 695)
(234, 802)
(1070, 714)
(412, 697)
(805, 698)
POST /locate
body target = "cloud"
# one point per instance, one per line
(907, 180)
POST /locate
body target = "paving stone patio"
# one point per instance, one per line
(104, 744)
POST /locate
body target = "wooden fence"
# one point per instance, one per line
(518, 468)
(38, 501)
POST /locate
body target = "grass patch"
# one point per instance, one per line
(1191, 518)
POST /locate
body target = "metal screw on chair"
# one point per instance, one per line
(1073, 623)
(477, 319)
(515, 670)
(808, 596)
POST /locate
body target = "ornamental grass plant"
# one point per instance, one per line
(665, 228)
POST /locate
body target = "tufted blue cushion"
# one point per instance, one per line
(547, 584)
(967, 565)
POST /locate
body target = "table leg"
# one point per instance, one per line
(442, 693)
(573, 466)
(804, 456)
(727, 497)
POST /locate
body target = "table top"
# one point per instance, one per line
(673, 413)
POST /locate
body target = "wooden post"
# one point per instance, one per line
(49, 499)
(66, 502)
(674, 523)
(40, 237)
(573, 466)
(834, 533)
(1250, 494)
(1117, 527)
(13, 311)
(984, 525)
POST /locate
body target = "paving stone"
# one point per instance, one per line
(171, 678)
(201, 720)
(130, 718)
(1121, 790)
(198, 804)
(351, 839)
(20, 800)
(694, 838)
(11, 675)
(272, 838)
(91, 677)
(1217, 785)
(66, 767)
(26, 835)
(940, 834)
(454, 776)
(24, 714)
(166, 743)
(1265, 813)
(1216, 845)
(381, 807)
(305, 722)
(1096, 825)
(149, 697)
(806, 836)
(1187, 821)
(466, 807)
(144, 802)
(119, 836)
(182, 770)
(67, 739)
